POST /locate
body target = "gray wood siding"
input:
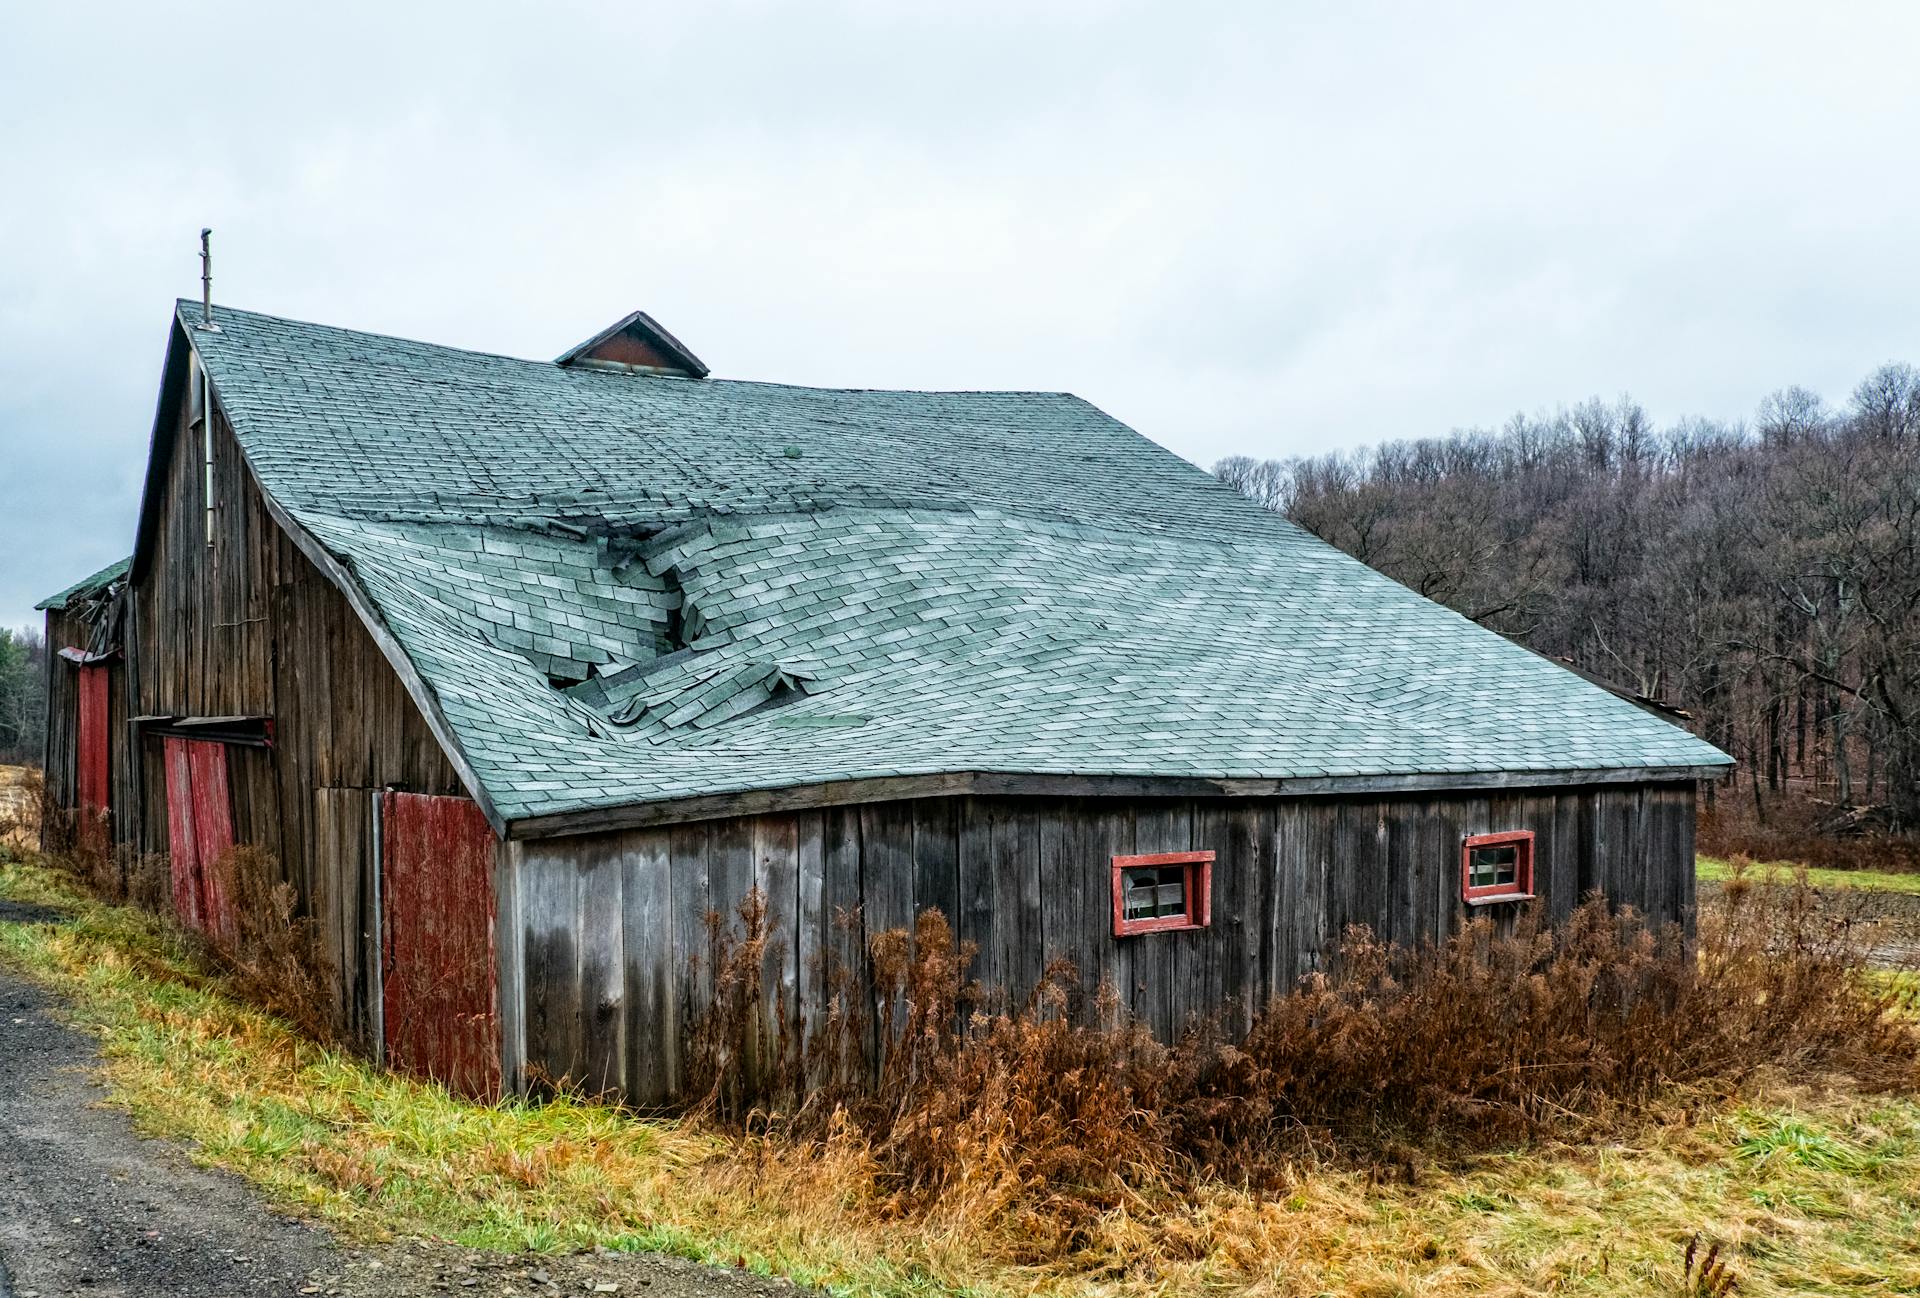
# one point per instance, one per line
(248, 626)
(611, 924)
(63, 709)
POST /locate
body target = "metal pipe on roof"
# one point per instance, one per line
(206, 277)
(206, 380)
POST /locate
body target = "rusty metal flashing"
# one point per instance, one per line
(621, 367)
(242, 731)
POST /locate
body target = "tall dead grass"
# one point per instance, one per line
(1048, 1120)
(274, 954)
(21, 794)
(271, 953)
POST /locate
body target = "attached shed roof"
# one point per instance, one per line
(631, 589)
(87, 587)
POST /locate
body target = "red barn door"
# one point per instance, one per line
(199, 832)
(92, 774)
(440, 1003)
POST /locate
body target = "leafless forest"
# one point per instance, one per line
(1765, 577)
(23, 698)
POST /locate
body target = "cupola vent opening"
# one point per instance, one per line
(637, 344)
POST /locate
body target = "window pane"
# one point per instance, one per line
(1494, 867)
(1154, 892)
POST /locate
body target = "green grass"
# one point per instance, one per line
(1783, 1136)
(1714, 870)
(1812, 1189)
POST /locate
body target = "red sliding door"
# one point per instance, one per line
(199, 832)
(93, 775)
(440, 1003)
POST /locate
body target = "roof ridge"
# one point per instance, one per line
(190, 307)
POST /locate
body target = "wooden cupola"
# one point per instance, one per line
(636, 344)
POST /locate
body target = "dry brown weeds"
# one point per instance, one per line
(1047, 1121)
(273, 952)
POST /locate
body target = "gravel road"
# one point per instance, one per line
(89, 1208)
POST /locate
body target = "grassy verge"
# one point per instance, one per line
(1715, 870)
(1815, 1189)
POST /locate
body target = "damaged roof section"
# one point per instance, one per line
(102, 583)
(689, 689)
(573, 606)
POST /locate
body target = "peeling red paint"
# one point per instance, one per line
(1520, 889)
(441, 1001)
(93, 776)
(199, 832)
(1196, 883)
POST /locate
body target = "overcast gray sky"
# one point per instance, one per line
(1261, 228)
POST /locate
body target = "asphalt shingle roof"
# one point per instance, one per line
(87, 586)
(626, 588)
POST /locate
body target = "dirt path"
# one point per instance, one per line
(89, 1208)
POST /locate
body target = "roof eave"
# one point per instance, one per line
(837, 793)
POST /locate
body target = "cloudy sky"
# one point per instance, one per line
(1263, 228)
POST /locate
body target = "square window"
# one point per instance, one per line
(1496, 867)
(1162, 891)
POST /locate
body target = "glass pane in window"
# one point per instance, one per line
(1494, 867)
(1154, 891)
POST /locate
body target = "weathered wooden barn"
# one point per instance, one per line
(521, 669)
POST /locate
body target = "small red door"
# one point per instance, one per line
(199, 832)
(92, 778)
(440, 1002)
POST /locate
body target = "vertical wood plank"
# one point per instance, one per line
(1095, 833)
(843, 941)
(776, 849)
(936, 856)
(648, 933)
(510, 962)
(1017, 956)
(600, 883)
(691, 871)
(975, 922)
(1233, 950)
(810, 925)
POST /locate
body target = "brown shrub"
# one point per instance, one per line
(273, 954)
(740, 1050)
(1800, 828)
(1045, 1118)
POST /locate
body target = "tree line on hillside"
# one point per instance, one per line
(23, 696)
(1763, 576)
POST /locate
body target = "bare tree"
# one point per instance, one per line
(1767, 579)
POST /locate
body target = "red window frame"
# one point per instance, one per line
(1197, 877)
(1521, 889)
